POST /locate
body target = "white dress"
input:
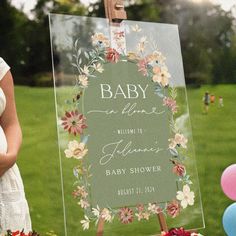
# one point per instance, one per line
(14, 210)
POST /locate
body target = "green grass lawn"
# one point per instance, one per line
(214, 137)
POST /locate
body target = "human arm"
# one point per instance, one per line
(10, 124)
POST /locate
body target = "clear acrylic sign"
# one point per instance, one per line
(124, 134)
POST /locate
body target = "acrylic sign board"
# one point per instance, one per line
(124, 134)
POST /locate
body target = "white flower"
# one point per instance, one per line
(85, 223)
(76, 150)
(139, 216)
(162, 77)
(83, 203)
(141, 44)
(83, 79)
(96, 211)
(143, 39)
(179, 139)
(106, 215)
(186, 197)
(85, 70)
(98, 67)
(136, 28)
(196, 234)
(153, 208)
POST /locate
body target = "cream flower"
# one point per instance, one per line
(99, 39)
(96, 211)
(186, 197)
(106, 215)
(142, 43)
(76, 150)
(136, 28)
(162, 77)
(84, 204)
(146, 215)
(142, 215)
(98, 67)
(179, 139)
(156, 57)
(143, 39)
(83, 79)
(85, 223)
(85, 70)
(81, 191)
(139, 216)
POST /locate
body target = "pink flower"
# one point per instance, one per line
(176, 232)
(84, 204)
(156, 70)
(140, 207)
(112, 55)
(179, 140)
(171, 103)
(106, 215)
(80, 192)
(179, 169)
(142, 66)
(173, 209)
(74, 122)
(126, 215)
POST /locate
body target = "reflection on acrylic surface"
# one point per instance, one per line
(125, 139)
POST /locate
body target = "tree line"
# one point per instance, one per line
(207, 33)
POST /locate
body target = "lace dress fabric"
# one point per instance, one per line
(14, 210)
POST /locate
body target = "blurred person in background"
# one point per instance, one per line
(206, 101)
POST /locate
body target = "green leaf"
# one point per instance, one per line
(73, 64)
(174, 152)
(76, 43)
(86, 55)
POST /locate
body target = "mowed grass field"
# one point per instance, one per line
(214, 137)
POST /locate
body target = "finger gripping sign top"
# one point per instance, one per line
(124, 133)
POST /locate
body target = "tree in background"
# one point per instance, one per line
(13, 46)
(25, 43)
(207, 35)
(206, 31)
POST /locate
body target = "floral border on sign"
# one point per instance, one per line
(18, 233)
(153, 67)
(179, 232)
